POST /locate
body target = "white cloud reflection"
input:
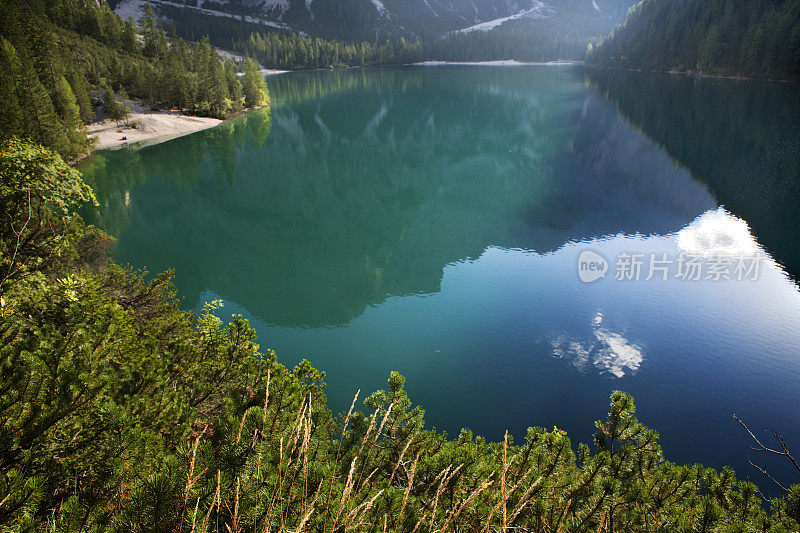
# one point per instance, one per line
(609, 351)
(717, 233)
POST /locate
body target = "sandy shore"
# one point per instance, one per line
(152, 127)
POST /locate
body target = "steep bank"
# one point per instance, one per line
(713, 37)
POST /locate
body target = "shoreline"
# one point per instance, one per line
(152, 127)
(691, 74)
(496, 63)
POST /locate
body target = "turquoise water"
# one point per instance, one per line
(430, 220)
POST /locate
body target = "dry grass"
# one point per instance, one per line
(291, 506)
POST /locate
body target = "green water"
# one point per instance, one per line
(429, 220)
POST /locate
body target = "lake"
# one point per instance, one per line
(449, 222)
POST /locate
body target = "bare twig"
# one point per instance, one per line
(783, 452)
(766, 474)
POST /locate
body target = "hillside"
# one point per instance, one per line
(362, 19)
(758, 39)
(60, 61)
(519, 29)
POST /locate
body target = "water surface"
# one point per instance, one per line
(430, 219)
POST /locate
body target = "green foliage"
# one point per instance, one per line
(721, 37)
(120, 412)
(54, 56)
(115, 109)
(31, 111)
(292, 51)
(254, 87)
(32, 172)
(66, 104)
(38, 195)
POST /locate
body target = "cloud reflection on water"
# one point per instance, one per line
(715, 233)
(609, 351)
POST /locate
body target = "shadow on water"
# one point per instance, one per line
(741, 138)
(373, 180)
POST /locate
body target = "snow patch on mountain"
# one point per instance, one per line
(432, 10)
(135, 9)
(281, 5)
(266, 5)
(538, 11)
(380, 7)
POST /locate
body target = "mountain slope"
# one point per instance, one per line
(355, 20)
(757, 38)
(344, 18)
(556, 29)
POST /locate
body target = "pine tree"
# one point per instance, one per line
(116, 110)
(39, 120)
(66, 104)
(234, 85)
(150, 31)
(213, 95)
(254, 86)
(80, 88)
(12, 119)
(128, 39)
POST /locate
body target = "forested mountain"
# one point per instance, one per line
(756, 38)
(457, 30)
(562, 32)
(362, 19)
(61, 58)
